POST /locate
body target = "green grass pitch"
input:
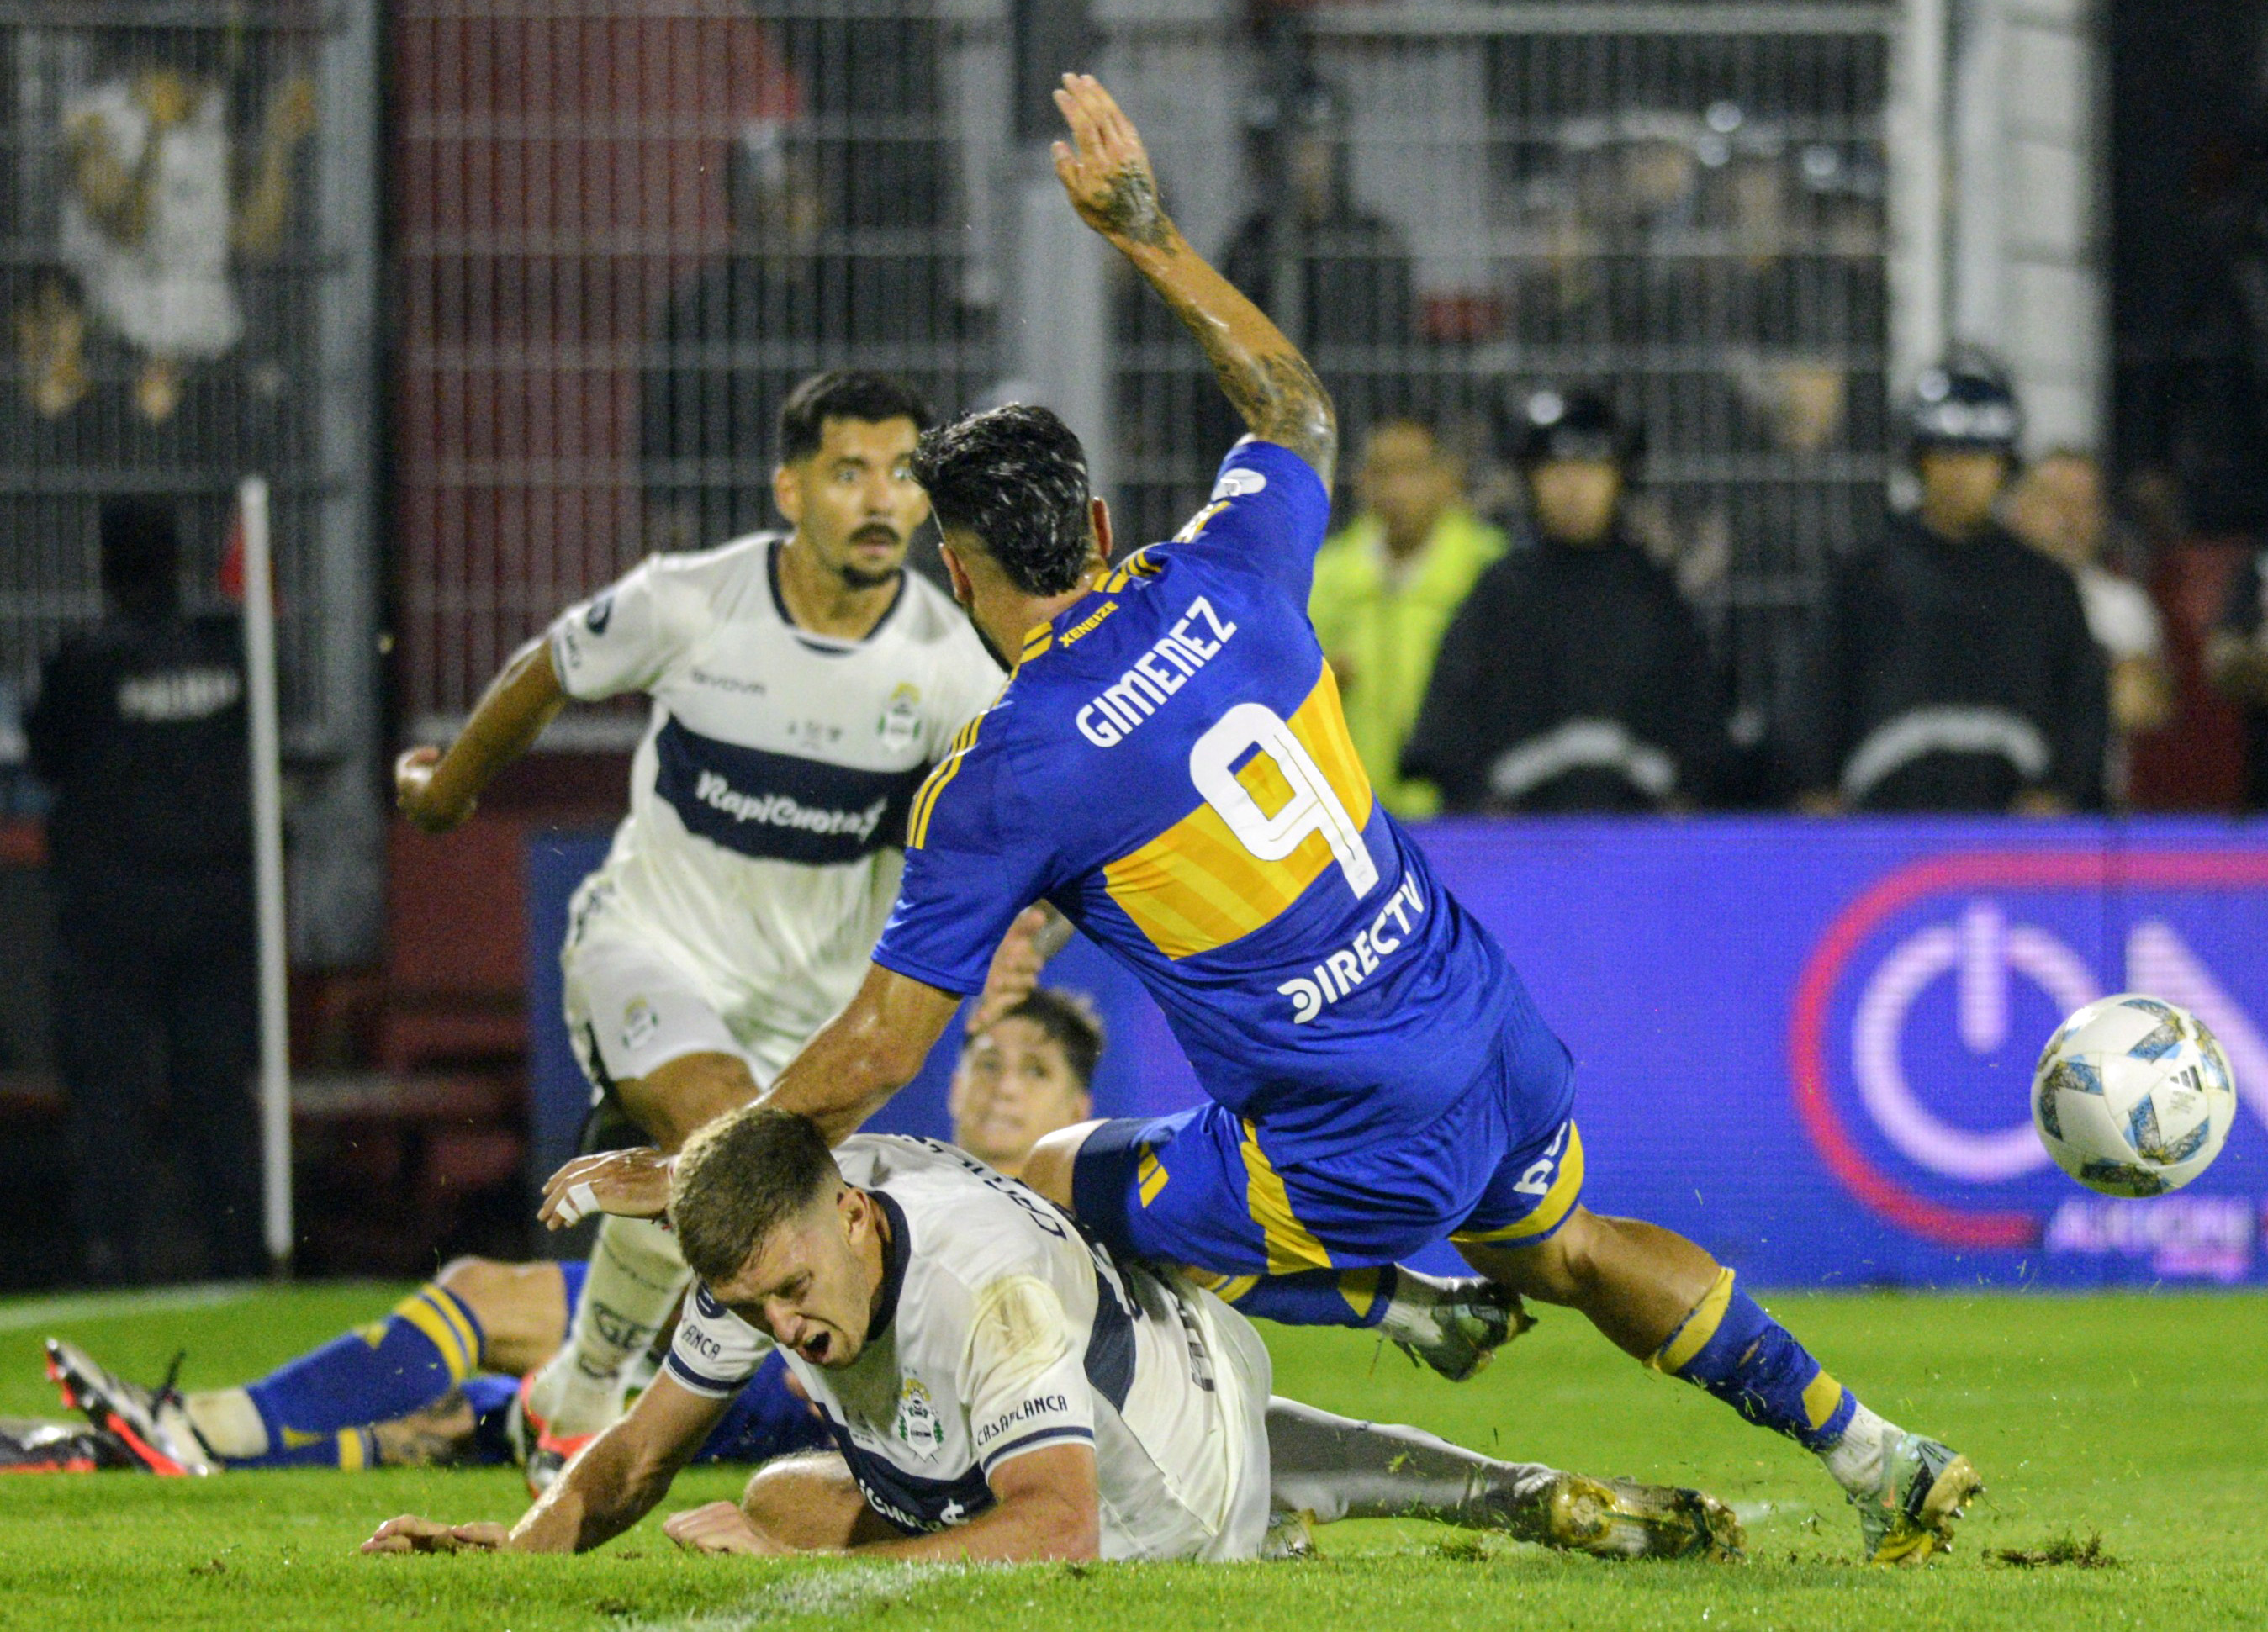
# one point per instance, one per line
(2143, 1420)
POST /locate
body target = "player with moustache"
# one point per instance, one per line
(1170, 768)
(802, 684)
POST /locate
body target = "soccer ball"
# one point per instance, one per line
(2133, 1096)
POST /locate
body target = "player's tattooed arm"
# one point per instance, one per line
(1111, 184)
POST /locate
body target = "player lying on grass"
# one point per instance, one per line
(1170, 768)
(437, 1380)
(998, 1387)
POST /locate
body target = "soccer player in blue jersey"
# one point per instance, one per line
(1170, 768)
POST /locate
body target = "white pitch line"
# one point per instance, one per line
(19, 1317)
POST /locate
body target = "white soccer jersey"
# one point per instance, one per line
(1002, 1330)
(768, 796)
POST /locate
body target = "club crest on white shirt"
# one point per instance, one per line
(902, 718)
(639, 1024)
(919, 1428)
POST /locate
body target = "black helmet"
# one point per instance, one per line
(1574, 425)
(1965, 404)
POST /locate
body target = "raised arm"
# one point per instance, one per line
(436, 790)
(1108, 174)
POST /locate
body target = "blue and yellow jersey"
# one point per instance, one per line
(1169, 767)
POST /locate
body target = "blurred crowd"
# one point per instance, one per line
(1986, 651)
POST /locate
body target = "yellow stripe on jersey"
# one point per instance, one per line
(1137, 565)
(943, 771)
(1291, 1246)
(1038, 640)
(1195, 886)
(933, 784)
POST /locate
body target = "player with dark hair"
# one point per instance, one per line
(1169, 767)
(802, 684)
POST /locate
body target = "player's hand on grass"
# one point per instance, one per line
(1104, 168)
(414, 795)
(412, 1534)
(719, 1527)
(633, 1184)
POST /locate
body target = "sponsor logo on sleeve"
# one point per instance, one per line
(1038, 1408)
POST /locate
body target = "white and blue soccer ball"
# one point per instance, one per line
(2133, 1096)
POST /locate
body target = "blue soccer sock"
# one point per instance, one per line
(1729, 1345)
(1356, 1297)
(429, 1345)
(351, 1450)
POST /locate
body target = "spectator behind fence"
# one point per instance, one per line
(1951, 668)
(1386, 588)
(140, 730)
(2236, 661)
(1575, 676)
(2059, 507)
(1355, 285)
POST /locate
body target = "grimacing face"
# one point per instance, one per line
(1012, 1088)
(853, 502)
(812, 1282)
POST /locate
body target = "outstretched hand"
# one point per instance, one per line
(632, 1184)
(412, 1534)
(1104, 168)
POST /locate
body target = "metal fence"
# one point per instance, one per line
(1683, 205)
(624, 231)
(157, 268)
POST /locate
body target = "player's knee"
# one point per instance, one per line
(806, 1502)
(474, 1281)
(1053, 1160)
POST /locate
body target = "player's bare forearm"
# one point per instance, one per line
(865, 1054)
(621, 1477)
(438, 790)
(1111, 184)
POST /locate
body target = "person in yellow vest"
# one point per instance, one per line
(1386, 587)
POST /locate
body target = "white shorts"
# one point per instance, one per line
(632, 1008)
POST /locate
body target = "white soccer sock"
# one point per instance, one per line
(1336, 1468)
(1410, 1313)
(636, 1276)
(228, 1423)
(1855, 1460)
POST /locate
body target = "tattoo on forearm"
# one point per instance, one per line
(1279, 396)
(1132, 210)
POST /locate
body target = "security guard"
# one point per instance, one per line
(140, 730)
(1575, 677)
(1951, 668)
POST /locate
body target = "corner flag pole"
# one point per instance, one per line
(268, 871)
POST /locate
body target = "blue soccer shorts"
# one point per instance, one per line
(1501, 1165)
